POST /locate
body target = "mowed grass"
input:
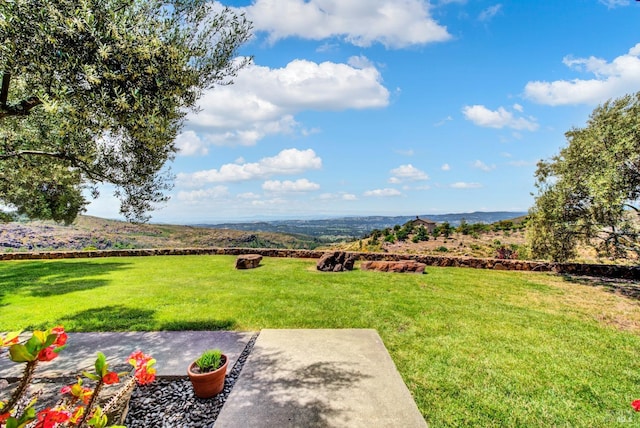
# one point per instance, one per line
(475, 348)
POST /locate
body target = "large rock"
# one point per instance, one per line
(394, 266)
(248, 261)
(336, 262)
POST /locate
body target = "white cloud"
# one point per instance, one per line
(501, 118)
(611, 80)
(409, 152)
(203, 195)
(189, 144)
(407, 173)
(393, 23)
(483, 166)
(298, 186)
(518, 107)
(614, 3)
(445, 167)
(248, 195)
(338, 196)
(287, 162)
(489, 13)
(381, 193)
(463, 185)
(263, 101)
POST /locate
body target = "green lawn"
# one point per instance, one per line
(475, 348)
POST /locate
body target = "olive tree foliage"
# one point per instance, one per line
(589, 193)
(95, 91)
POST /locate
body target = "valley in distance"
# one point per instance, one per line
(493, 230)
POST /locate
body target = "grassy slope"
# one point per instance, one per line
(475, 347)
(96, 233)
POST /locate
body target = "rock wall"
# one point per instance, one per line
(611, 271)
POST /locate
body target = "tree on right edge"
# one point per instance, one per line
(589, 193)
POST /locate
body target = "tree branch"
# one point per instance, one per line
(4, 92)
(74, 161)
(19, 109)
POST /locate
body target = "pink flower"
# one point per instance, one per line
(47, 354)
(110, 378)
(636, 405)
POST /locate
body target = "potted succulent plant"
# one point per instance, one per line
(207, 373)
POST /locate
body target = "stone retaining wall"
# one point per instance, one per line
(610, 271)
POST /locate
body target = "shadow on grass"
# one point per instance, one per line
(627, 288)
(108, 318)
(44, 279)
(209, 325)
(122, 318)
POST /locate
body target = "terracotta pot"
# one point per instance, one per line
(207, 385)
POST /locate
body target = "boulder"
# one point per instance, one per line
(394, 266)
(248, 261)
(338, 261)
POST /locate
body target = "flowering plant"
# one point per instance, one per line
(79, 406)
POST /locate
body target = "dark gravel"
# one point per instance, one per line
(172, 403)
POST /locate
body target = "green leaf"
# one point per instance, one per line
(91, 376)
(49, 340)
(20, 354)
(101, 365)
(35, 342)
(10, 336)
(28, 415)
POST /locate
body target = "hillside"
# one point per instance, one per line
(96, 233)
(347, 228)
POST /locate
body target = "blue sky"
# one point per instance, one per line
(396, 107)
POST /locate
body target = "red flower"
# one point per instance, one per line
(4, 416)
(47, 354)
(61, 338)
(145, 375)
(110, 378)
(143, 372)
(48, 418)
(636, 405)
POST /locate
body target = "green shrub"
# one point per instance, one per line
(442, 249)
(209, 361)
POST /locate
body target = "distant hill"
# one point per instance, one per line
(97, 233)
(344, 228)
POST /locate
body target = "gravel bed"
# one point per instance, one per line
(172, 403)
